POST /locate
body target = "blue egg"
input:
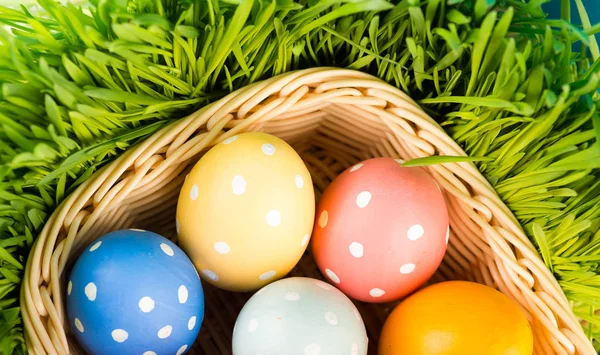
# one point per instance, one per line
(134, 292)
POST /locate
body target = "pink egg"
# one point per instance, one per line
(381, 230)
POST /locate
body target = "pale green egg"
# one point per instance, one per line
(299, 316)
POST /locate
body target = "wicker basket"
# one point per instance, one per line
(334, 118)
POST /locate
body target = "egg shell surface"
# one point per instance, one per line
(382, 230)
(246, 211)
(456, 318)
(299, 316)
(134, 292)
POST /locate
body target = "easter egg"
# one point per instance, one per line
(381, 231)
(299, 316)
(246, 211)
(459, 318)
(134, 292)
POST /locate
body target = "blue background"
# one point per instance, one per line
(591, 6)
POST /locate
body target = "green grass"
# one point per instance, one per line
(79, 87)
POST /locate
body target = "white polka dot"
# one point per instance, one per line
(354, 349)
(96, 246)
(292, 296)
(78, 325)
(165, 332)
(253, 325)
(146, 304)
(268, 149)
(210, 274)
(357, 314)
(273, 218)
(137, 230)
(415, 232)
(407, 268)
(356, 249)
(166, 248)
(267, 275)
(192, 323)
(230, 140)
(331, 318)
(177, 226)
(69, 288)
(182, 294)
(356, 167)
(259, 292)
(323, 218)
(238, 185)
(305, 239)
(222, 247)
(363, 198)
(149, 353)
(312, 349)
(119, 335)
(377, 292)
(332, 276)
(447, 235)
(399, 161)
(194, 192)
(299, 181)
(324, 285)
(181, 350)
(90, 291)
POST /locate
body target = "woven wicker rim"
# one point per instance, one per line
(334, 118)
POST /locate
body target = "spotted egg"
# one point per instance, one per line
(382, 230)
(246, 211)
(134, 292)
(299, 316)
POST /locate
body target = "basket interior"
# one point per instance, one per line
(329, 138)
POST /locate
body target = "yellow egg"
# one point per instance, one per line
(246, 211)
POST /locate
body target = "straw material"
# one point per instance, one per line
(334, 118)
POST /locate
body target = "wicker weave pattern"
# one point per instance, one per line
(334, 118)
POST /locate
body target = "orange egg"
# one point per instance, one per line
(457, 318)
